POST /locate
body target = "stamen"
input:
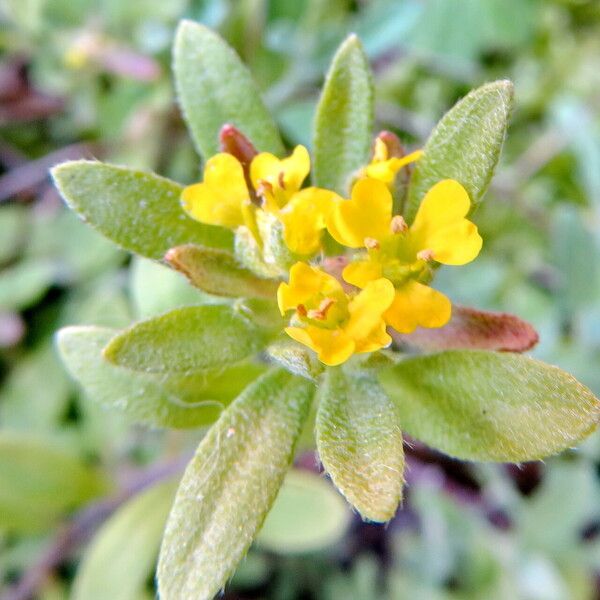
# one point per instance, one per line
(264, 186)
(320, 314)
(281, 180)
(426, 255)
(301, 310)
(371, 243)
(398, 225)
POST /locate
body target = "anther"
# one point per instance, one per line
(320, 314)
(281, 180)
(426, 255)
(301, 310)
(263, 186)
(398, 225)
(371, 243)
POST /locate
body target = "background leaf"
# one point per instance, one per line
(465, 145)
(186, 339)
(120, 559)
(229, 486)
(215, 88)
(344, 119)
(488, 406)
(137, 210)
(360, 443)
(156, 289)
(40, 482)
(308, 515)
(180, 400)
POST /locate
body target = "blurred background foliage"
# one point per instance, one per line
(91, 78)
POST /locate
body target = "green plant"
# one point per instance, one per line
(228, 349)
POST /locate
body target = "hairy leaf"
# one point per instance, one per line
(137, 210)
(477, 329)
(230, 485)
(180, 400)
(344, 119)
(360, 443)
(217, 272)
(465, 145)
(215, 88)
(488, 406)
(186, 339)
(295, 358)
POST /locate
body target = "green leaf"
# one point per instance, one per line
(186, 339)
(137, 210)
(488, 406)
(180, 400)
(125, 547)
(218, 272)
(307, 516)
(214, 88)
(360, 443)
(465, 145)
(344, 119)
(40, 482)
(295, 358)
(229, 486)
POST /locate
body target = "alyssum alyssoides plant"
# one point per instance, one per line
(326, 302)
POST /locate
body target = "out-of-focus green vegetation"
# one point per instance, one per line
(92, 78)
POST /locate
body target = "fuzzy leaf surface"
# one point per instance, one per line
(137, 210)
(214, 87)
(344, 118)
(230, 485)
(218, 272)
(489, 406)
(360, 443)
(465, 145)
(178, 400)
(475, 329)
(186, 339)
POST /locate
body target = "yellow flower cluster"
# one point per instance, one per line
(386, 281)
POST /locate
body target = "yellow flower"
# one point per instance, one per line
(403, 254)
(329, 321)
(383, 167)
(278, 180)
(223, 197)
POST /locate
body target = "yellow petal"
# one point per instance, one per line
(385, 170)
(416, 305)
(440, 225)
(360, 272)
(377, 339)
(218, 199)
(303, 219)
(366, 215)
(284, 176)
(380, 152)
(367, 309)
(332, 346)
(305, 283)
